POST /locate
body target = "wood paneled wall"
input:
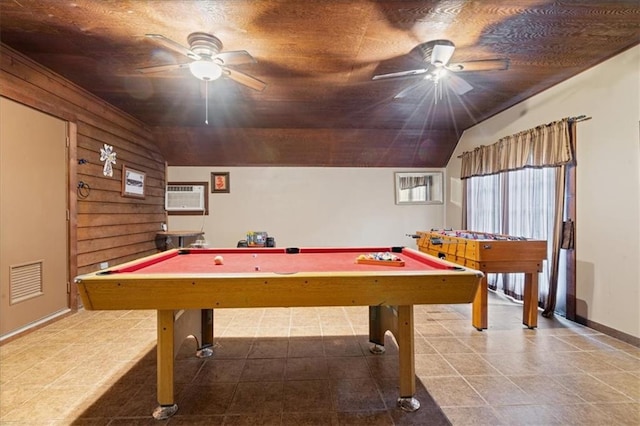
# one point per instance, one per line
(105, 226)
(111, 227)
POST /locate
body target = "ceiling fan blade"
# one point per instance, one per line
(442, 53)
(160, 68)
(237, 57)
(400, 74)
(245, 79)
(458, 84)
(177, 47)
(404, 92)
(480, 65)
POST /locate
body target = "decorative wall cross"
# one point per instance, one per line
(109, 157)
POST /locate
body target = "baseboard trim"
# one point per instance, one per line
(627, 338)
(34, 326)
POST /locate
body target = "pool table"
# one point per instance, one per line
(184, 286)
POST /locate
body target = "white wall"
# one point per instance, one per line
(309, 206)
(608, 181)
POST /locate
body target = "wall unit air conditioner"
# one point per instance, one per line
(184, 198)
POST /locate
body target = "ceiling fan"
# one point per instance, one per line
(437, 69)
(209, 62)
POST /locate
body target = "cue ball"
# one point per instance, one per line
(218, 260)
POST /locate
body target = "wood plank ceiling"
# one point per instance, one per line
(320, 106)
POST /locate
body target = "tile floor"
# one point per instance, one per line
(311, 366)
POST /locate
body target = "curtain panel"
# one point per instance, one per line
(543, 146)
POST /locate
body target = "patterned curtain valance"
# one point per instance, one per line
(409, 182)
(548, 145)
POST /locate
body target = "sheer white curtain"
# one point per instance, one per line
(415, 188)
(418, 193)
(484, 199)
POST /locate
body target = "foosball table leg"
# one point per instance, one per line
(479, 317)
(530, 308)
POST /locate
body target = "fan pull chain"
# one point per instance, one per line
(206, 102)
(438, 91)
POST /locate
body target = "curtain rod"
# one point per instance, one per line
(575, 119)
(579, 118)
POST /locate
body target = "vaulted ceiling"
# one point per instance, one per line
(320, 105)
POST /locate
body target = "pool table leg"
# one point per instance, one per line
(167, 406)
(399, 321)
(381, 319)
(404, 337)
(206, 334)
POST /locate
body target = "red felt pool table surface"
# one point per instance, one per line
(277, 260)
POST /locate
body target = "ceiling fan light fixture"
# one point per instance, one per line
(439, 73)
(205, 70)
(441, 54)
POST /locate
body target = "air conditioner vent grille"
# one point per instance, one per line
(180, 188)
(185, 198)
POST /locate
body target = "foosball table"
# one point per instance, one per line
(490, 253)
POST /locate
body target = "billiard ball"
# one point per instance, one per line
(218, 260)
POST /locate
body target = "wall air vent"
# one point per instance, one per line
(26, 281)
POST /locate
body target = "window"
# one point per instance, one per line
(518, 203)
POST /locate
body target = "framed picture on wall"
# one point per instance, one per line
(132, 182)
(220, 182)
